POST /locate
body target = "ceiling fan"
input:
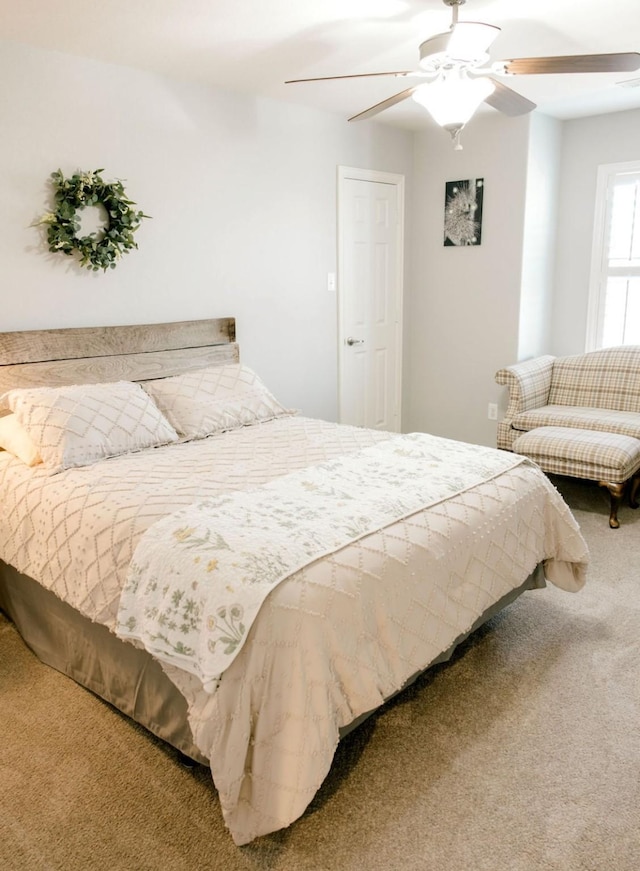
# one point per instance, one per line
(455, 80)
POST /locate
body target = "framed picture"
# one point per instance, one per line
(463, 212)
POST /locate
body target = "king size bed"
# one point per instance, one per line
(245, 582)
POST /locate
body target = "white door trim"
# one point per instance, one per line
(391, 178)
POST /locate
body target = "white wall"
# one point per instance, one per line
(464, 302)
(539, 247)
(587, 143)
(242, 192)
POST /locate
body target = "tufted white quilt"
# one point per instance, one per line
(332, 641)
(200, 576)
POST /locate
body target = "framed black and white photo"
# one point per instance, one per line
(463, 212)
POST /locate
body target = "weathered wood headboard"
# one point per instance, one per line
(77, 355)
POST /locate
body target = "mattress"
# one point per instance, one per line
(332, 641)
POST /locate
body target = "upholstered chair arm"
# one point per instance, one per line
(529, 384)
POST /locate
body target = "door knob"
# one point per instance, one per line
(352, 341)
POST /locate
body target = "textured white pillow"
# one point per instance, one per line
(77, 425)
(214, 399)
(15, 440)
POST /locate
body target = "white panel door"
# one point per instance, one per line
(370, 215)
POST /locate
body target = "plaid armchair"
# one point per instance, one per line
(599, 390)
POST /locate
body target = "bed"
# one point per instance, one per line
(387, 577)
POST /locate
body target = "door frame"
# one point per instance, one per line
(398, 181)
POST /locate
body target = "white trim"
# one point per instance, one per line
(391, 178)
(596, 299)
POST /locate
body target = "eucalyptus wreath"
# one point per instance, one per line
(97, 250)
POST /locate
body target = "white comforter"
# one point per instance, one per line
(332, 641)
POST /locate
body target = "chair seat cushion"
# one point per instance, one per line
(581, 453)
(581, 417)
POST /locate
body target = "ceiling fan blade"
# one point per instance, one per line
(385, 104)
(354, 76)
(509, 102)
(622, 62)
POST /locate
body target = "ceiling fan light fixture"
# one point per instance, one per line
(452, 65)
(453, 98)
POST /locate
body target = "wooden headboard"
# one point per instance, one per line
(82, 355)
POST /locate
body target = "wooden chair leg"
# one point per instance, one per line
(634, 486)
(617, 492)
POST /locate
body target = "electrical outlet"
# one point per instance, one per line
(492, 411)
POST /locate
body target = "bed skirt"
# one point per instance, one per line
(128, 677)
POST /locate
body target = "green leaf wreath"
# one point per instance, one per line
(98, 250)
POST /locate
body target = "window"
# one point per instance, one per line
(614, 296)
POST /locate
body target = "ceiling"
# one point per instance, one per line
(253, 46)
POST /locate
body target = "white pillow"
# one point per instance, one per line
(15, 440)
(214, 399)
(77, 425)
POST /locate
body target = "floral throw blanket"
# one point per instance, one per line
(200, 575)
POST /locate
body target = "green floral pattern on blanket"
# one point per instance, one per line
(199, 577)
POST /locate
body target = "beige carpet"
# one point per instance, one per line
(522, 754)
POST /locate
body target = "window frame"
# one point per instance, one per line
(607, 173)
